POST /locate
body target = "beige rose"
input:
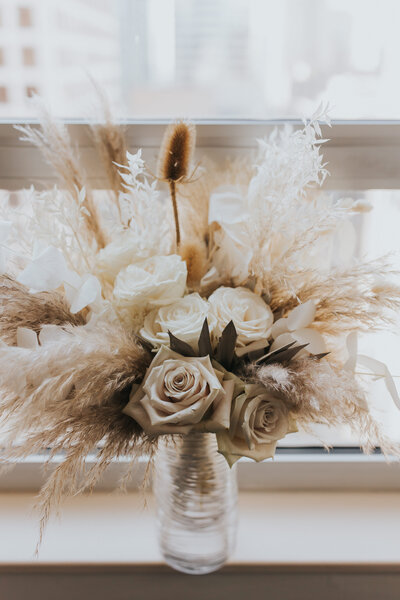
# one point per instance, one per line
(258, 420)
(177, 392)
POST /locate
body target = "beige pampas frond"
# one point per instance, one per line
(53, 140)
(109, 139)
(20, 308)
(350, 299)
(76, 388)
(195, 256)
(174, 161)
(321, 392)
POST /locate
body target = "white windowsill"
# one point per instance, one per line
(274, 528)
(292, 469)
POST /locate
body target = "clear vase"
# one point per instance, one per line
(196, 497)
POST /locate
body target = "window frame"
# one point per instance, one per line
(360, 155)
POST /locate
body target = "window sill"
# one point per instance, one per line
(292, 470)
(297, 528)
(296, 545)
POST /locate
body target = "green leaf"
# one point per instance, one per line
(226, 346)
(205, 340)
(320, 355)
(180, 346)
(289, 353)
(275, 353)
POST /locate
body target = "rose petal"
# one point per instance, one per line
(280, 326)
(27, 338)
(51, 333)
(252, 347)
(88, 292)
(302, 316)
(282, 340)
(234, 450)
(46, 272)
(315, 341)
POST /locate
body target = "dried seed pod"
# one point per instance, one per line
(174, 161)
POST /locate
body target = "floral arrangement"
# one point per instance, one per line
(206, 298)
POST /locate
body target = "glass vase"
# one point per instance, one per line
(196, 497)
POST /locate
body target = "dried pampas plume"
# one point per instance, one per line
(53, 140)
(109, 139)
(174, 161)
(20, 308)
(75, 388)
(324, 393)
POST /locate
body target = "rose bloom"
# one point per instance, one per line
(118, 254)
(184, 318)
(154, 281)
(176, 393)
(258, 420)
(251, 316)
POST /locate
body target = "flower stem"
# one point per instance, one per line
(172, 189)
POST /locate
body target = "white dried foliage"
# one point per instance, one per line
(142, 207)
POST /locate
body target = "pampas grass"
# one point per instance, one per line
(109, 139)
(53, 140)
(323, 392)
(348, 299)
(68, 393)
(20, 308)
(75, 389)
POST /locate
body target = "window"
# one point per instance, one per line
(30, 91)
(235, 66)
(25, 16)
(216, 59)
(28, 57)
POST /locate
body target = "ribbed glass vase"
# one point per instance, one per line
(196, 496)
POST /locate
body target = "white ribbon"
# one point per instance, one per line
(377, 368)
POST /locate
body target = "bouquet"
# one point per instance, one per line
(199, 298)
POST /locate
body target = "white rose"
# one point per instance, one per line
(251, 316)
(154, 281)
(120, 253)
(177, 392)
(258, 420)
(184, 318)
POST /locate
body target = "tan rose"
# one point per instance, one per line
(176, 394)
(258, 420)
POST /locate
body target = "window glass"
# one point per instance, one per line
(208, 59)
(376, 234)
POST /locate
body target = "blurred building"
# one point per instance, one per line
(202, 58)
(49, 47)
